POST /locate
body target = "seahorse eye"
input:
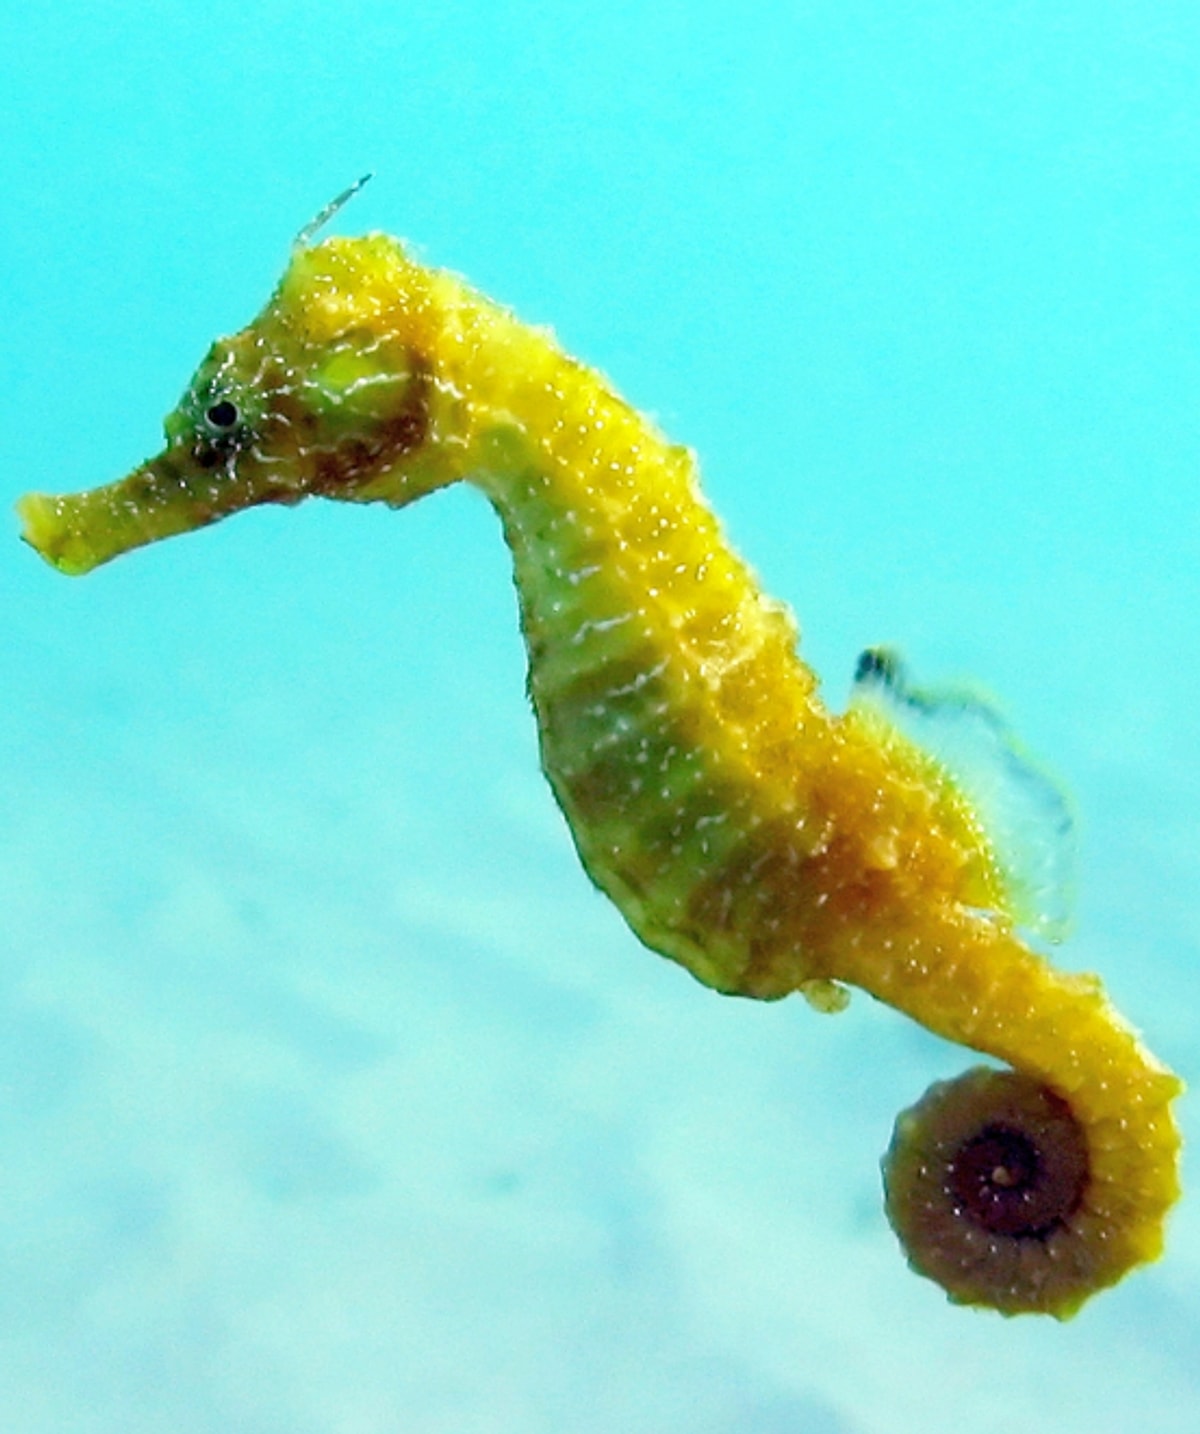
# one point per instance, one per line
(223, 414)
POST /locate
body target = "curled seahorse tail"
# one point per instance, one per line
(1027, 1190)
(987, 1186)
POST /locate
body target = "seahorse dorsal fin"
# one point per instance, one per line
(1024, 816)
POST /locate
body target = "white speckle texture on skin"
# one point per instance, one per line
(600, 625)
(636, 684)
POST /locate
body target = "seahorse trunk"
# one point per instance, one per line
(650, 656)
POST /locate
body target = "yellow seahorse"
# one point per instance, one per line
(743, 830)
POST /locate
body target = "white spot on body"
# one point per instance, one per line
(600, 625)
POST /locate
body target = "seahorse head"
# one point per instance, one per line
(329, 391)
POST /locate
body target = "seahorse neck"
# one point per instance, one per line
(604, 517)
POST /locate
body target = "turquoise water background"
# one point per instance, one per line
(333, 1100)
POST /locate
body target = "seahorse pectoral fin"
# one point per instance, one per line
(1023, 823)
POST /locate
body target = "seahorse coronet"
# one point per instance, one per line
(746, 832)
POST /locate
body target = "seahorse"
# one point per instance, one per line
(743, 829)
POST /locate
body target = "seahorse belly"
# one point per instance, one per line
(635, 666)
